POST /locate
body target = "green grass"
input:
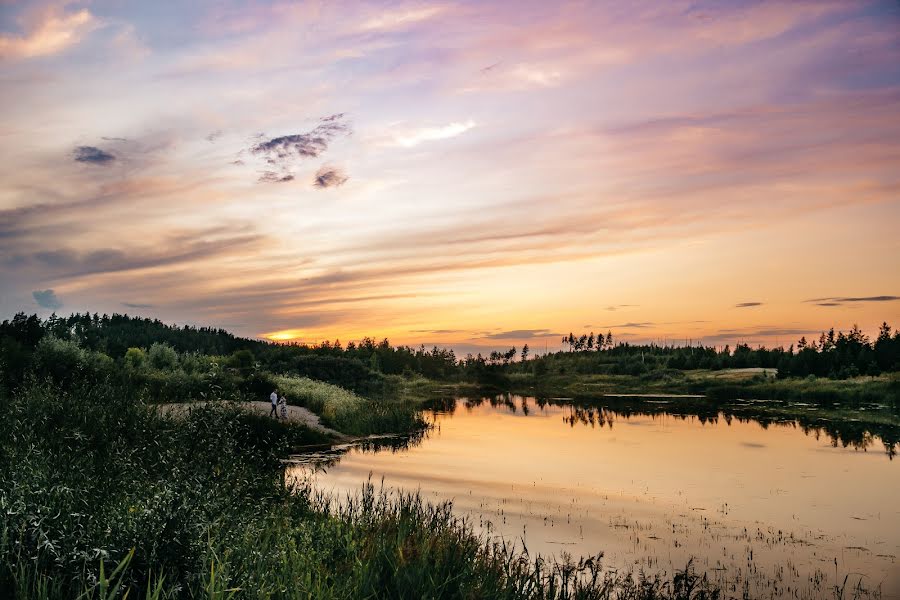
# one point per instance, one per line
(331, 402)
(100, 495)
(884, 389)
(717, 385)
(348, 412)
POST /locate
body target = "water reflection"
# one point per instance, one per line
(753, 496)
(847, 433)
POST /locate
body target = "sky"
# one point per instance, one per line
(467, 174)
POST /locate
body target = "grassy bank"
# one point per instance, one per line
(349, 412)
(196, 507)
(735, 384)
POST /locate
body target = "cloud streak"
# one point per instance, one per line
(522, 334)
(136, 305)
(273, 177)
(843, 300)
(430, 134)
(93, 155)
(287, 150)
(174, 249)
(755, 335)
(47, 299)
(48, 32)
(629, 325)
(856, 299)
(328, 177)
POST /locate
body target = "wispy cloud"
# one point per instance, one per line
(93, 155)
(629, 325)
(615, 307)
(842, 300)
(397, 19)
(136, 305)
(428, 134)
(522, 334)
(178, 248)
(48, 31)
(285, 151)
(47, 299)
(747, 304)
(439, 331)
(273, 177)
(328, 177)
(755, 335)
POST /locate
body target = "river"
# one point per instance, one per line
(773, 508)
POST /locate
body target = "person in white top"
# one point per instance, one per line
(274, 398)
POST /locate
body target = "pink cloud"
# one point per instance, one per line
(48, 31)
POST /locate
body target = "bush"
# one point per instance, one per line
(64, 361)
(135, 359)
(162, 357)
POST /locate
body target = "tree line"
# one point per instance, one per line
(361, 366)
(834, 354)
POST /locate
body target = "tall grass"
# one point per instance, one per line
(100, 495)
(331, 402)
(346, 411)
(819, 390)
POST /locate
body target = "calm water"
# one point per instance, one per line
(777, 509)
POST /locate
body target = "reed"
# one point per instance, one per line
(102, 496)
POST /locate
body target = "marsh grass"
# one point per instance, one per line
(101, 496)
(348, 412)
(819, 390)
(717, 385)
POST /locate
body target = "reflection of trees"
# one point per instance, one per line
(322, 460)
(857, 434)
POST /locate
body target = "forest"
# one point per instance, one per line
(363, 366)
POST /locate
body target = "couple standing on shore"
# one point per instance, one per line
(278, 405)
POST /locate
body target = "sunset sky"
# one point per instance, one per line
(466, 174)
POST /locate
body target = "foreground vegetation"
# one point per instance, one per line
(100, 494)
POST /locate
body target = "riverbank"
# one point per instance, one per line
(99, 490)
(728, 384)
(653, 485)
(295, 415)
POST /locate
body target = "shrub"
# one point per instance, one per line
(162, 356)
(135, 359)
